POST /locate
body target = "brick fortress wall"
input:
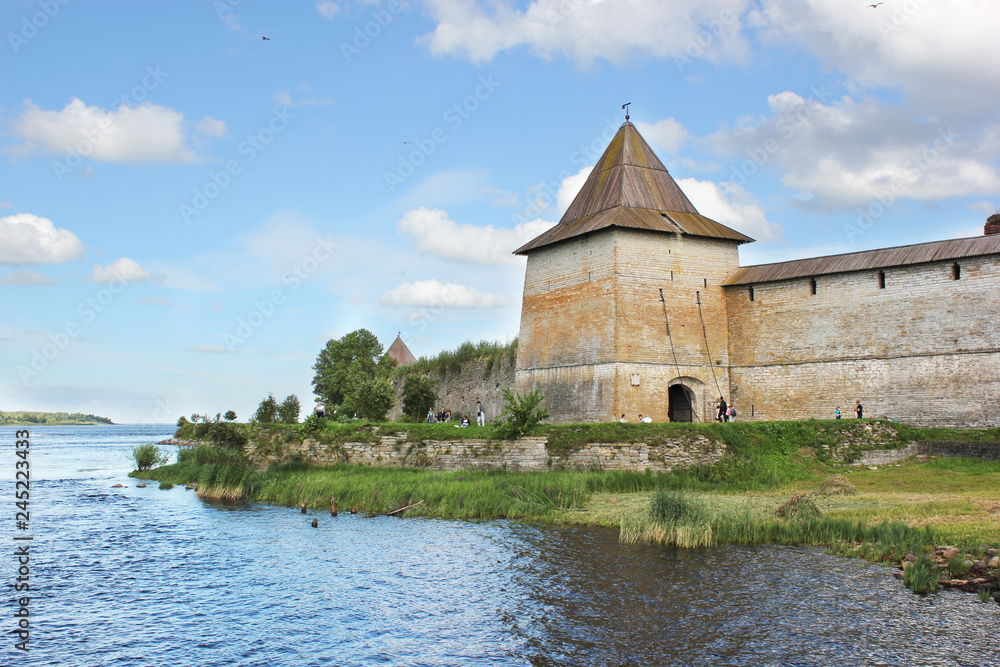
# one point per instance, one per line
(593, 330)
(924, 349)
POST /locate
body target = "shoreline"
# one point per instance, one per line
(891, 516)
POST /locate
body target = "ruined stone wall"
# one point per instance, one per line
(988, 451)
(924, 349)
(526, 454)
(459, 391)
(593, 332)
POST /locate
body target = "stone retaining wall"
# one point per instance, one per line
(989, 451)
(526, 454)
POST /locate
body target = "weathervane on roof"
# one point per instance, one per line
(625, 106)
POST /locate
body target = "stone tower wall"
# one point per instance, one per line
(924, 349)
(593, 332)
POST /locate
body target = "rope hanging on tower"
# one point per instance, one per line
(673, 351)
(704, 332)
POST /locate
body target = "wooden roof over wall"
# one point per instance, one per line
(920, 253)
(630, 187)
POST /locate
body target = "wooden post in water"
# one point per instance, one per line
(333, 506)
(315, 523)
(303, 507)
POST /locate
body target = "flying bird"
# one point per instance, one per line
(269, 39)
(876, 5)
(407, 142)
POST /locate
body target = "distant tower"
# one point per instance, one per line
(400, 352)
(624, 310)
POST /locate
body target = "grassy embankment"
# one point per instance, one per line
(911, 507)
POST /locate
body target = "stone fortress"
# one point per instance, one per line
(634, 303)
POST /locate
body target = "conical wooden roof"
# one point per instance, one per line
(630, 187)
(400, 352)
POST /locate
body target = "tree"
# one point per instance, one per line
(418, 395)
(230, 416)
(372, 399)
(148, 456)
(353, 375)
(267, 411)
(288, 411)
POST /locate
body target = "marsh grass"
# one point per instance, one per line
(984, 594)
(922, 576)
(958, 565)
(228, 481)
(166, 486)
(683, 520)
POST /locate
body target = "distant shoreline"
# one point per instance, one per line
(30, 418)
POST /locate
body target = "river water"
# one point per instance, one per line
(136, 576)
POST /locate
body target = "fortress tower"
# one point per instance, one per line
(624, 311)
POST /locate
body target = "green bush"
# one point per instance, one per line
(520, 414)
(314, 423)
(166, 486)
(148, 456)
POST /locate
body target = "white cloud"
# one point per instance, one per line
(327, 9)
(847, 153)
(586, 30)
(211, 127)
(667, 132)
(570, 188)
(436, 234)
(984, 207)
(732, 206)
(26, 277)
(433, 293)
(941, 55)
(450, 187)
(121, 270)
(163, 301)
(286, 244)
(283, 98)
(146, 133)
(29, 239)
(211, 349)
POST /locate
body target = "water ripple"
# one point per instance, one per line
(142, 576)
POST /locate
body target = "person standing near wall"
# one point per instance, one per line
(723, 410)
(859, 410)
(480, 414)
(836, 413)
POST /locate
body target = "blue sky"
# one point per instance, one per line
(188, 212)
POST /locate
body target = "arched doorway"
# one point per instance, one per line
(680, 404)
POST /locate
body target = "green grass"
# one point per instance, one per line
(452, 361)
(694, 521)
(913, 433)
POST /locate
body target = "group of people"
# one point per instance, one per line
(642, 420)
(859, 411)
(444, 416)
(724, 412)
(439, 417)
